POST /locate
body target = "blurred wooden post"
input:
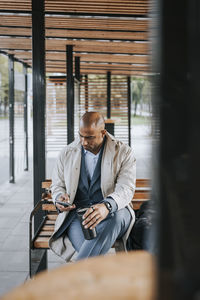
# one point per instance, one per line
(110, 126)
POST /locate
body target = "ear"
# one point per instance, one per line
(103, 132)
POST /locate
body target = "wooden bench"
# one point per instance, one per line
(41, 238)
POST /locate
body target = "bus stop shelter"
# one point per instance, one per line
(111, 37)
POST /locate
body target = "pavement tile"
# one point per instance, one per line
(8, 210)
(21, 228)
(9, 222)
(4, 233)
(14, 261)
(14, 243)
(10, 280)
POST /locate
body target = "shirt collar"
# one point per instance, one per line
(86, 151)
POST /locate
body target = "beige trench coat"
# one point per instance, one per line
(118, 177)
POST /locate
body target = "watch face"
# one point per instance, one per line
(108, 205)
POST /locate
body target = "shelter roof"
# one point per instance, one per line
(108, 35)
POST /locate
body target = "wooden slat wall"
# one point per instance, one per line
(119, 107)
(56, 122)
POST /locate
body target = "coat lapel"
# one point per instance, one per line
(75, 172)
(107, 163)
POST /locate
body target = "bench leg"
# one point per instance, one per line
(37, 261)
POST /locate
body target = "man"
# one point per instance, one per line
(99, 172)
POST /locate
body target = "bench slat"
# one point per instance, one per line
(41, 242)
(45, 233)
(49, 207)
(50, 222)
(141, 195)
(52, 217)
(48, 227)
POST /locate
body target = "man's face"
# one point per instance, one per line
(91, 138)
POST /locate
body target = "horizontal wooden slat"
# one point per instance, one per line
(141, 195)
(79, 46)
(98, 58)
(50, 222)
(49, 207)
(45, 233)
(41, 242)
(60, 22)
(141, 182)
(48, 227)
(58, 33)
(46, 184)
(52, 217)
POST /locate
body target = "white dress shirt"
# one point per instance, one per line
(90, 162)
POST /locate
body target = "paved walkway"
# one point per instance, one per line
(16, 201)
(15, 207)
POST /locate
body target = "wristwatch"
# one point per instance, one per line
(108, 205)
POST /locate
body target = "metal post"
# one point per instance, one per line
(25, 119)
(129, 109)
(86, 93)
(70, 95)
(39, 97)
(179, 94)
(77, 68)
(108, 95)
(11, 119)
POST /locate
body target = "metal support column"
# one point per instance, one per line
(129, 109)
(108, 95)
(86, 93)
(70, 95)
(25, 119)
(11, 119)
(179, 241)
(39, 97)
(77, 68)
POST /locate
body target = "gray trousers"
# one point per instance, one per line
(108, 230)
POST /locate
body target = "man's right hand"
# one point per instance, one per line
(64, 198)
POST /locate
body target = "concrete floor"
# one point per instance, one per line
(16, 203)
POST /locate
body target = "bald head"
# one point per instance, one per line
(92, 120)
(92, 131)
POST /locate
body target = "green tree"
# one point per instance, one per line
(4, 84)
(137, 89)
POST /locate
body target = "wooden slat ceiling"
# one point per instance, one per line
(108, 35)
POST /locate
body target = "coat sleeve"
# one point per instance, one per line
(58, 183)
(125, 182)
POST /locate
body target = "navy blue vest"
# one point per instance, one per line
(89, 193)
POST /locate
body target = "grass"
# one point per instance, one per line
(140, 120)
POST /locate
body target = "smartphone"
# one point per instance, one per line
(65, 204)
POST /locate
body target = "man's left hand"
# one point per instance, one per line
(94, 215)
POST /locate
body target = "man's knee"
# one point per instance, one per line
(121, 216)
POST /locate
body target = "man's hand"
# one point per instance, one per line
(94, 215)
(64, 198)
